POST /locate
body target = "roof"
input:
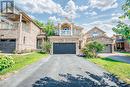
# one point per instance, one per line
(89, 30)
(24, 13)
(98, 37)
(97, 29)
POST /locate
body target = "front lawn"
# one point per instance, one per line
(126, 53)
(118, 68)
(23, 60)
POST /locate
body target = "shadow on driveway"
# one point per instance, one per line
(79, 81)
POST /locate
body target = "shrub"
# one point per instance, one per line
(5, 62)
(92, 48)
(46, 47)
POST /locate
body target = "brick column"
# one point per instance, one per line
(19, 39)
(71, 30)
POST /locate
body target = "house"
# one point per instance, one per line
(100, 36)
(121, 44)
(67, 38)
(18, 33)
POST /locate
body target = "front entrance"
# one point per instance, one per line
(64, 48)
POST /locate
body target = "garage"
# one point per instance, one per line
(108, 48)
(7, 45)
(64, 48)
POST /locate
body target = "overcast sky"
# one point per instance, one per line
(88, 13)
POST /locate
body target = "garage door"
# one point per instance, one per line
(108, 48)
(7, 45)
(64, 48)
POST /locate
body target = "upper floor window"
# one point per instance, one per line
(66, 29)
(24, 39)
(120, 37)
(95, 34)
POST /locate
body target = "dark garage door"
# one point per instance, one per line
(7, 45)
(64, 48)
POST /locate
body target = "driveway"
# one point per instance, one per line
(67, 71)
(116, 56)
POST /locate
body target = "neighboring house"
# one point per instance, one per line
(121, 44)
(19, 33)
(67, 38)
(127, 46)
(100, 36)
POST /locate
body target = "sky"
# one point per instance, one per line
(86, 13)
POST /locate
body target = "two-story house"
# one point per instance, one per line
(67, 38)
(19, 33)
(96, 34)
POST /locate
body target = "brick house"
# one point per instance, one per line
(67, 38)
(121, 44)
(100, 36)
(19, 33)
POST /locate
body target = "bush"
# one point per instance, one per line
(5, 62)
(92, 48)
(46, 47)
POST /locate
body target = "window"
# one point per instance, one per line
(120, 37)
(95, 34)
(66, 29)
(24, 40)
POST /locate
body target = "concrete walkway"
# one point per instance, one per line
(63, 71)
(117, 56)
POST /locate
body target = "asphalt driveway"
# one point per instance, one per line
(117, 56)
(68, 71)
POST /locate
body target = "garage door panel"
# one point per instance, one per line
(108, 49)
(7, 46)
(64, 48)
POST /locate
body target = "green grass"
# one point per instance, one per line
(23, 60)
(122, 70)
(126, 53)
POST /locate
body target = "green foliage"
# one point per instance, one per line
(122, 29)
(126, 9)
(22, 61)
(92, 48)
(6, 62)
(48, 28)
(122, 70)
(46, 47)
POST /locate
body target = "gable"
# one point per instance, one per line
(102, 39)
(95, 31)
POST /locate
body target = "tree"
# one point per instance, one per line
(48, 28)
(122, 28)
(126, 9)
(92, 48)
(46, 47)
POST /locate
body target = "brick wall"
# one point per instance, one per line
(29, 37)
(127, 46)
